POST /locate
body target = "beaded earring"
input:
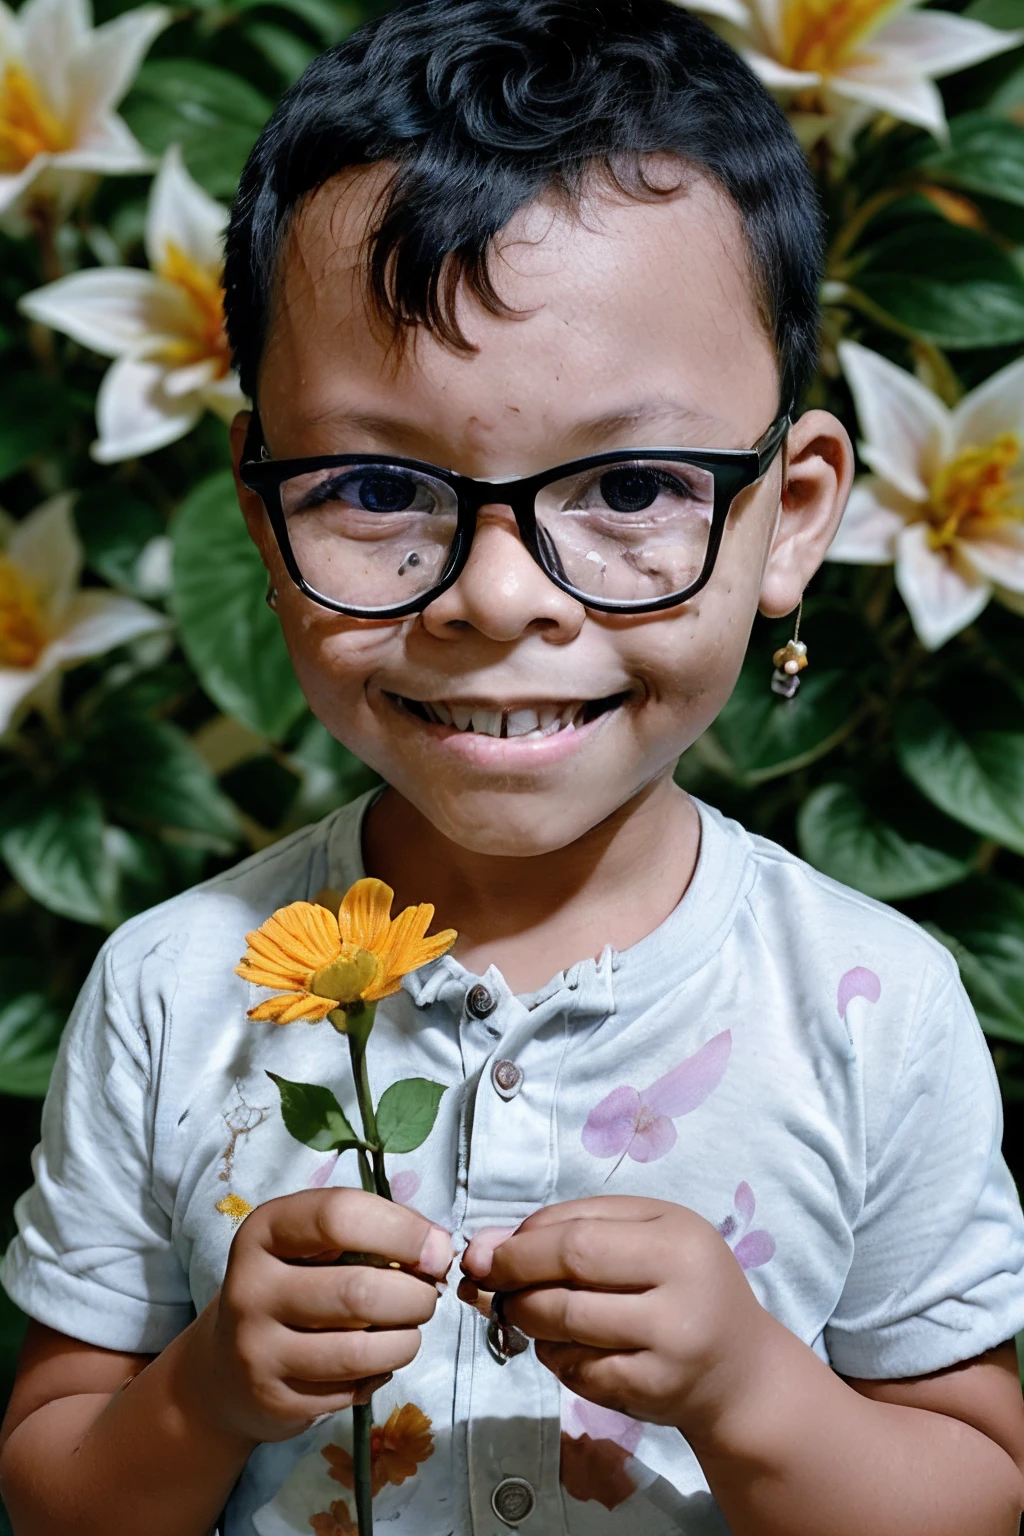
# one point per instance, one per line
(790, 660)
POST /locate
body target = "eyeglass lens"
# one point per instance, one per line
(379, 535)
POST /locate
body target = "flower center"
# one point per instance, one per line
(823, 35)
(23, 634)
(27, 125)
(975, 488)
(206, 295)
(346, 978)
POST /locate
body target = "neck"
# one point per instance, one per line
(534, 917)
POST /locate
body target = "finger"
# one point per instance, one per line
(597, 1374)
(600, 1319)
(473, 1296)
(589, 1253)
(480, 1249)
(353, 1297)
(599, 1207)
(344, 1358)
(311, 1221)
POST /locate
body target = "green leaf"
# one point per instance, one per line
(149, 772)
(215, 116)
(406, 1113)
(283, 51)
(30, 1030)
(313, 1116)
(985, 155)
(53, 846)
(953, 286)
(758, 736)
(839, 835)
(976, 776)
(115, 526)
(1004, 15)
(34, 415)
(982, 923)
(228, 633)
(331, 775)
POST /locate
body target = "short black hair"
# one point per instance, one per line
(484, 105)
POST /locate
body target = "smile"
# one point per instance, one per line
(525, 722)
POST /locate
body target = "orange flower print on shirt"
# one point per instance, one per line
(597, 1447)
(396, 1450)
(334, 1522)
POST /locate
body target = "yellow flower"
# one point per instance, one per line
(396, 1450)
(319, 961)
(235, 1207)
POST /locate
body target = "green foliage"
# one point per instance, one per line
(406, 1113)
(313, 1116)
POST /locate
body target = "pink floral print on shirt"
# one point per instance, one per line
(752, 1249)
(639, 1124)
(860, 982)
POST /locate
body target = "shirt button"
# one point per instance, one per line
(507, 1078)
(513, 1500)
(479, 1002)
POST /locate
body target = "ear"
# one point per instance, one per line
(252, 506)
(817, 479)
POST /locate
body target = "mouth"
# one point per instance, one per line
(522, 722)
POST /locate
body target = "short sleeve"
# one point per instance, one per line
(937, 1274)
(93, 1254)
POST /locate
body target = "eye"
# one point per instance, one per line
(383, 490)
(630, 489)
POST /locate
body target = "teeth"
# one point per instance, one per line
(547, 717)
(443, 713)
(461, 718)
(487, 722)
(522, 721)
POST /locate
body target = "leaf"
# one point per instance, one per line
(283, 50)
(115, 526)
(30, 1030)
(985, 155)
(953, 286)
(760, 736)
(976, 776)
(842, 837)
(53, 845)
(313, 1116)
(406, 1113)
(149, 772)
(331, 775)
(982, 923)
(229, 634)
(213, 114)
(34, 415)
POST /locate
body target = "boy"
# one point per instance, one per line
(515, 285)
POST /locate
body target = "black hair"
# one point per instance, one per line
(482, 106)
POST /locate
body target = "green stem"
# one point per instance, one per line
(362, 1426)
(360, 1023)
(366, 1172)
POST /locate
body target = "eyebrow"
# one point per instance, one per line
(657, 411)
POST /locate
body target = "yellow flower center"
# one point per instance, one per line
(975, 489)
(28, 127)
(346, 978)
(23, 633)
(824, 35)
(205, 293)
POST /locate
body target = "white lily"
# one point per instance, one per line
(165, 327)
(60, 80)
(946, 499)
(836, 62)
(46, 623)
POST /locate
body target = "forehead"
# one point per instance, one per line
(618, 300)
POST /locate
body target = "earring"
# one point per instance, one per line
(271, 596)
(790, 660)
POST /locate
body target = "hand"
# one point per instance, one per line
(285, 1341)
(636, 1304)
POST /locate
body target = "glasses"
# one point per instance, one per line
(630, 531)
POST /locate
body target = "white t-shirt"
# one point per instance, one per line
(795, 1062)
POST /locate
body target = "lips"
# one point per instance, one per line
(527, 722)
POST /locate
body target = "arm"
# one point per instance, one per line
(280, 1343)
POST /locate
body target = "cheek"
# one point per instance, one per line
(332, 658)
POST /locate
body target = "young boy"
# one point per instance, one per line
(515, 285)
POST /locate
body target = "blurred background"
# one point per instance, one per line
(151, 731)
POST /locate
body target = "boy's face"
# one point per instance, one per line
(639, 329)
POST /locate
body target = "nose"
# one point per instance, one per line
(502, 591)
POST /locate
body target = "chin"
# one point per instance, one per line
(507, 825)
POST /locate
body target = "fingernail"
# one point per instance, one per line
(436, 1254)
(479, 1256)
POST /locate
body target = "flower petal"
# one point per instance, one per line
(905, 428)
(291, 1006)
(110, 309)
(108, 60)
(46, 548)
(134, 415)
(755, 1249)
(729, 10)
(224, 397)
(995, 407)
(183, 215)
(52, 31)
(95, 621)
(903, 92)
(869, 529)
(16, 684)
(999, 557)
(943, 596)
(938, 43)
(405, 949)
(656, 1139)
(744, 1202)
(301, 935)
(364, 916)
(682, 1090)
(586, 1418)
(778, 77)
(611, 1125)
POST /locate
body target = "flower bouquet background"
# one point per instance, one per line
(151, 729)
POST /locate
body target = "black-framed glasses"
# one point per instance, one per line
(629, 531)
